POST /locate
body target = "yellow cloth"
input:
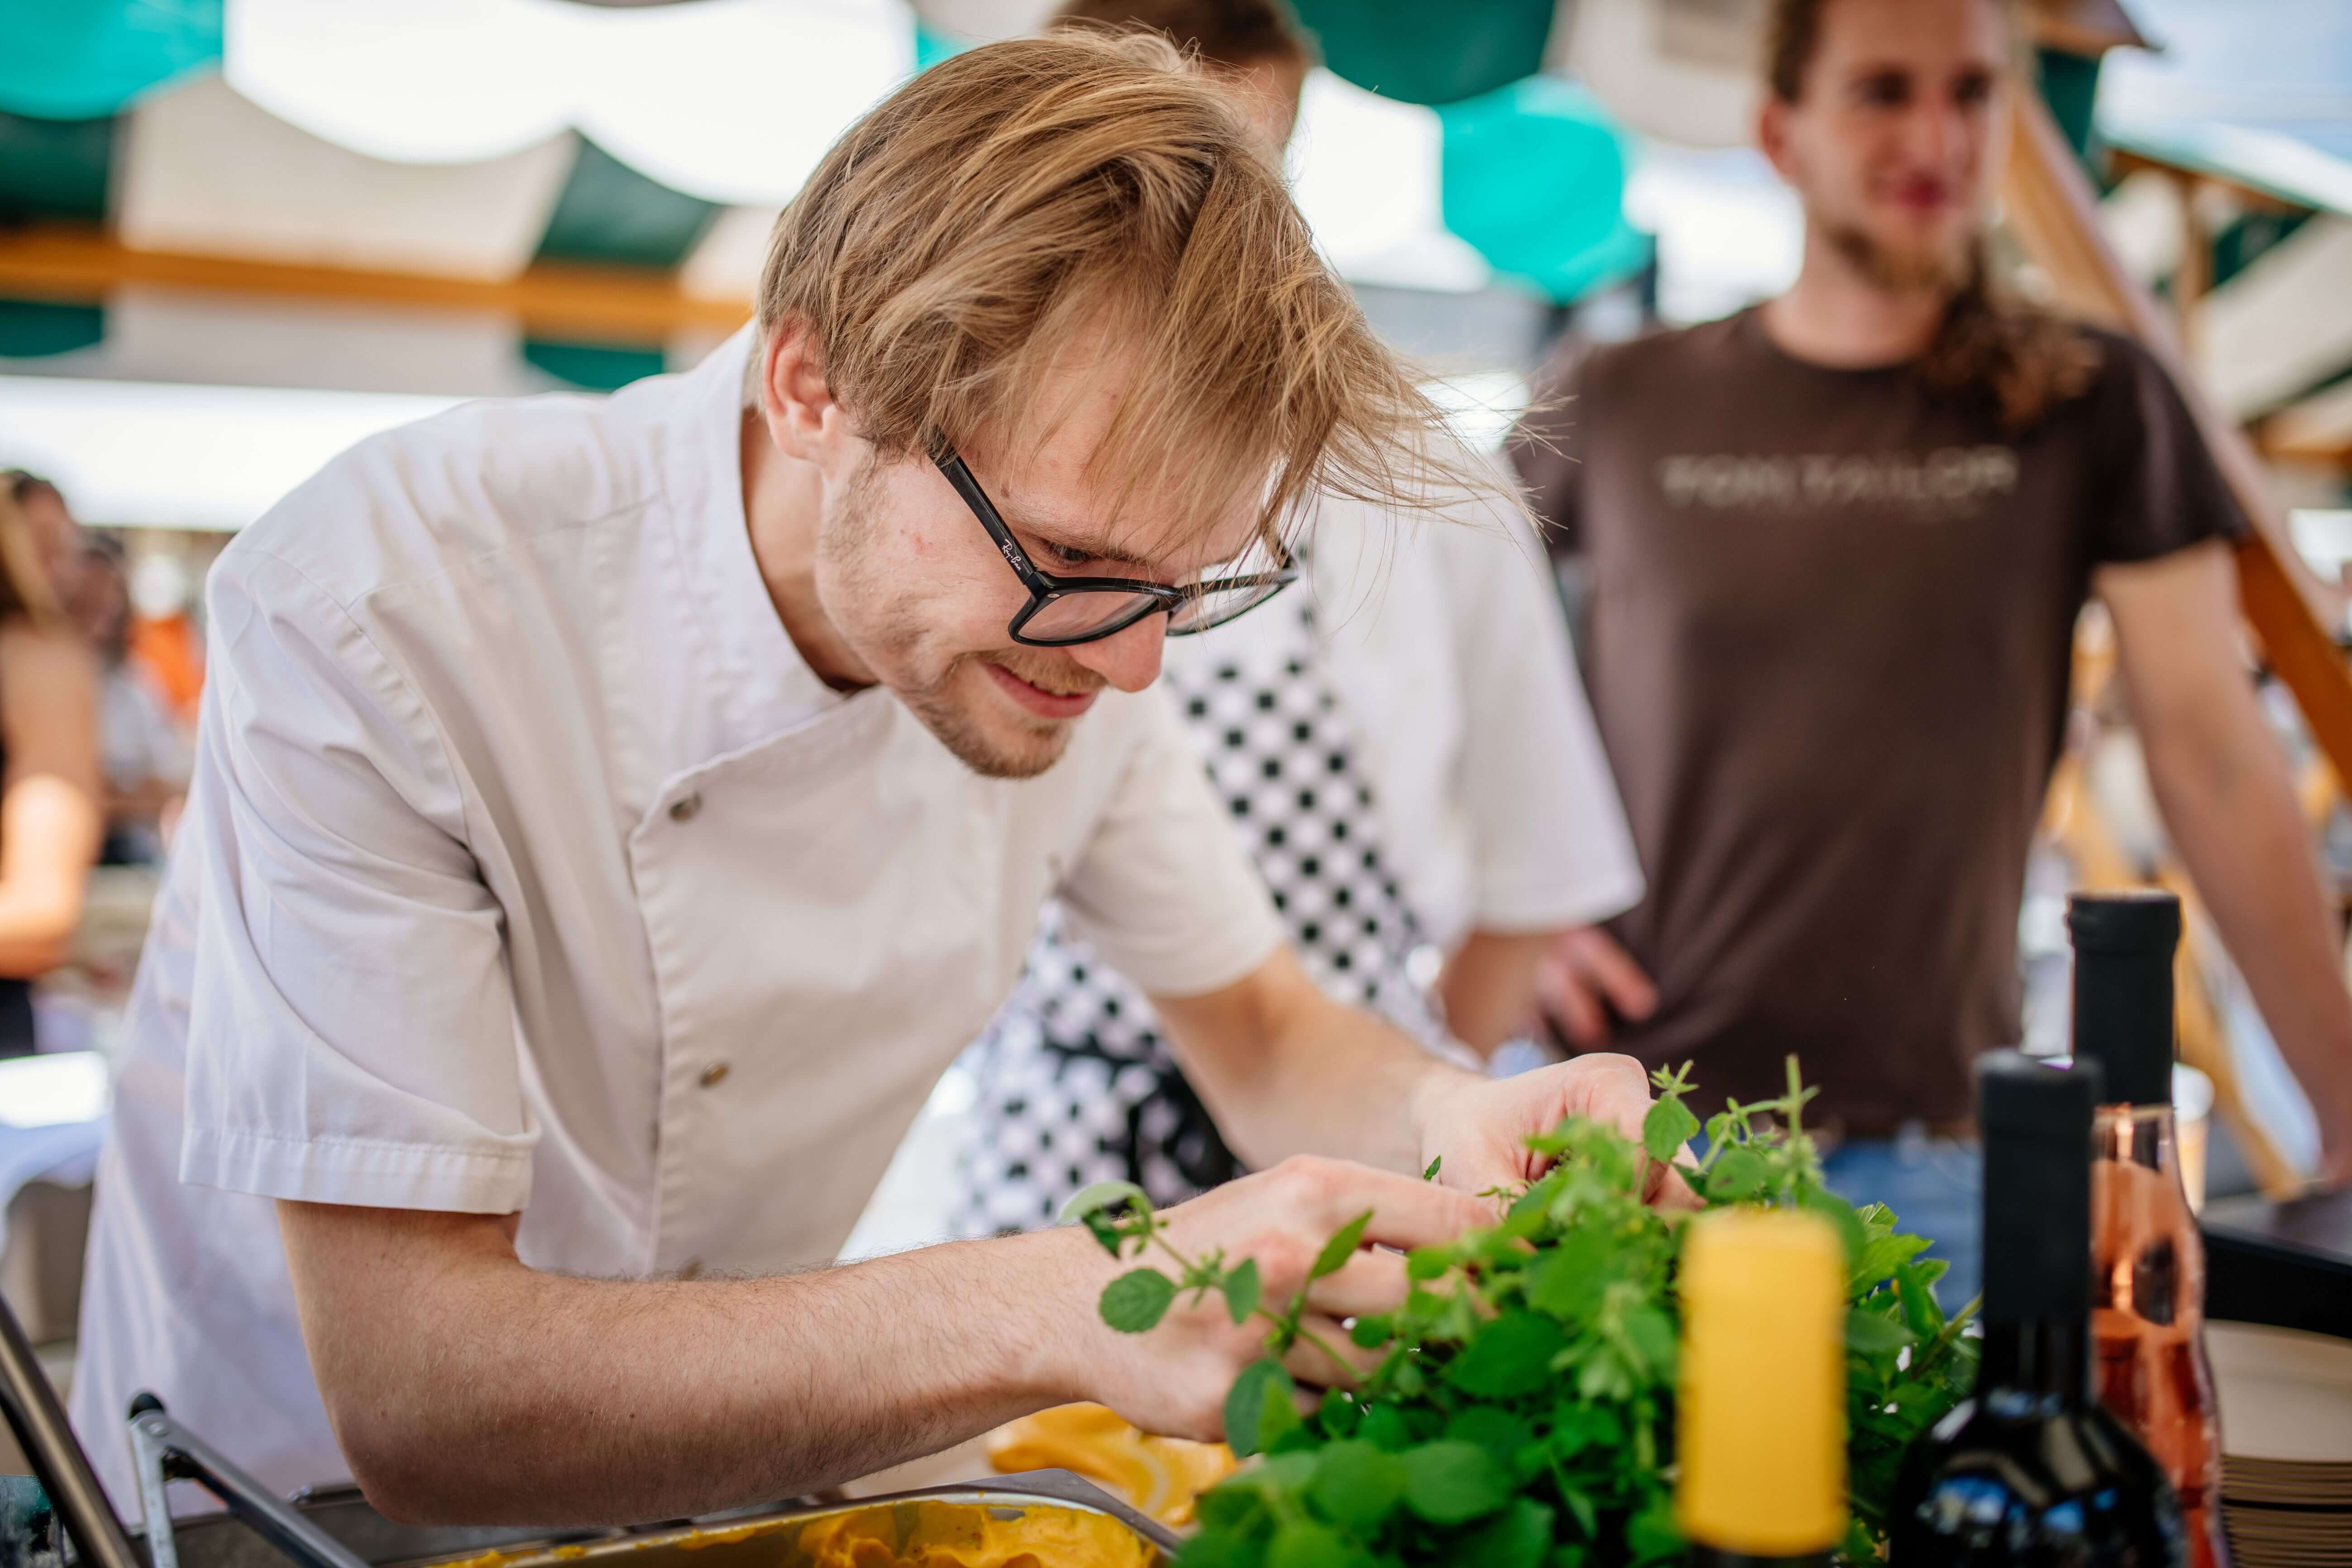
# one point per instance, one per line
(1159, 1476)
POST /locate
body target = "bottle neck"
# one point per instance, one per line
(2035, 1365)
(2143, 1135)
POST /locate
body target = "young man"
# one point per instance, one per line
(1403, 746)
(611, 815)
(1836, 546)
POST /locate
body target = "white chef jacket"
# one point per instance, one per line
(528, 867)
(1444, 641)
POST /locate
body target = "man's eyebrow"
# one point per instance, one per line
(1072, 539)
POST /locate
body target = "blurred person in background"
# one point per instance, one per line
(1835, 548)
(146, 753)
(49, 783)
(1401, 744)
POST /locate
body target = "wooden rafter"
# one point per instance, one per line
(561, 299)
(2051, 206)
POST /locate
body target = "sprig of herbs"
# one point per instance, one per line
(1523, 1416)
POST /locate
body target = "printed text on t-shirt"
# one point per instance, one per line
(1947, 478)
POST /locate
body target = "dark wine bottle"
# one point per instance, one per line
(2147, 1278)
(2030, 1470)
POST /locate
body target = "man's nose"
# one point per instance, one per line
(1129, 659)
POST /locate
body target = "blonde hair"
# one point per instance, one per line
(978, 222)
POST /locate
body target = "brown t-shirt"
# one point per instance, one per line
(1829, 642)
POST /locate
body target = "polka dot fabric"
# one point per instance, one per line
(1075, 1084)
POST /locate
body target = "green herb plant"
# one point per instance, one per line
(1523, 1416)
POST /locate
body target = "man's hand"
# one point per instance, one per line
(1173, 1379)
(1585, 977)
(1479, 1126)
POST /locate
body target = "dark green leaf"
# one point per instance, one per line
(1736, 1173)
(1137, 1300)
(1257, 1407)
(1920, 1312)
(1428, 1262)
(1371, 1330)
(1667, 1127)
(1841, 1215)
(1495, 1429)
(1519, 1537)
(1340, 1247)
(1355, 1485)
(1652, 1334)
(1568, 1276)
(1384, 1427)
(1429, 1174)
(1511, 1356)
(1651, 1535)
(1451, 1483)
(1305, 1544)
(1214, 1548)
(1243, 1290)
(1867, 1333)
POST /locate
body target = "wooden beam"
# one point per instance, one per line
(555, 299)
(2051, 206)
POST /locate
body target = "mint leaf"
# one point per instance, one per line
(1434, 1166)
(1867, 1333)
(1920, 1313)
(1340, 1247)
(1511, 1356)
(1370, 1332)
(1451, 1483)
(1305, 1544)
(1518, 1538)
(1255, 1405)
(1241, 1290)
(1355, 1485)
(1137, 1300)
(1102, 1197)
(1738, 1173)
(1667, 1127)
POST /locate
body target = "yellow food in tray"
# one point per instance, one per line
(1162, 1476)
(959, 1535)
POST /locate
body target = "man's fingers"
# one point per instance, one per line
(1407, 1212)
(1329, 1359)
(1370, 1282)
(1573, 1008)
(1629, 990)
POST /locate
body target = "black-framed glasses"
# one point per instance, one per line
(1062, 611)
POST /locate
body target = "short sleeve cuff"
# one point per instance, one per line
(361, 1173)
(1512, 910)
(1209, 962)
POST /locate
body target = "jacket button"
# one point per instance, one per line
(684, 807)
(713, 1074)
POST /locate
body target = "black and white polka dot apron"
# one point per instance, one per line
(1074, 1084)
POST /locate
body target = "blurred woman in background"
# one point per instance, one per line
(49, 788)
(146, 755)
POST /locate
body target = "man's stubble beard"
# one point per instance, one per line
(1943, 270)
(847, 547)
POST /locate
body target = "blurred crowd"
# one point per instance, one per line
(100, 666)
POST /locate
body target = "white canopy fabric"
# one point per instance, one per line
(731, 101)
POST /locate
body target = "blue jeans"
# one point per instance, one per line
(1935, 1186)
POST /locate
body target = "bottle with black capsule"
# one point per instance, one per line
(2030, 1470)
(2147, 1280)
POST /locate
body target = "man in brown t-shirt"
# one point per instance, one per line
(1835, 549)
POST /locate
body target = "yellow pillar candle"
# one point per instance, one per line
(1761, 1419)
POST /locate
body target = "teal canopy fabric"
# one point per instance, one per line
(82, 59)
(1534, 177)
(1417, 51)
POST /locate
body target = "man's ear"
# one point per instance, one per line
(795, 403)
(1772, 132)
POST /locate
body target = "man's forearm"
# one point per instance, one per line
(1286, 1070)
(509, 1395)
(2232, 814)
